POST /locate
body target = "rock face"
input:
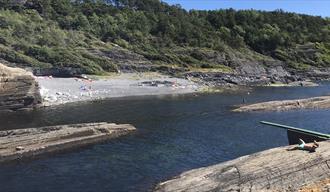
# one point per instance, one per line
(249, 73)
(59, 72)
(272, 170)
(18, 89)
(310, 103)
(22, 143)
(127, 61)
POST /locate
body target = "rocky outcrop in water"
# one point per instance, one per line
(271, 170)
(23, 143)
(309, 103)
(18, 89)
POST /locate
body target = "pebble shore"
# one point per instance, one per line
(56, 91)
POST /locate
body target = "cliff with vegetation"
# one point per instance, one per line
(222, 46)
(18, 89)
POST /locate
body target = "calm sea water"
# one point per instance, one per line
(175, 134)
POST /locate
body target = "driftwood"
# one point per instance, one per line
(271, 170)
(310, 103)
(21, 143)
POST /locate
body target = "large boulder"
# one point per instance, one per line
(18, 89)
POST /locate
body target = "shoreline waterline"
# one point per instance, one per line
(60, 91)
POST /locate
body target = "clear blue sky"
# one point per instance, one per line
(311, 7)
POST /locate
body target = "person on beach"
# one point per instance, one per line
(311, 147)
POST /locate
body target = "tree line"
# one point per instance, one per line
(149, 26)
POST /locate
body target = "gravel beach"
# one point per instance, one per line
(56, 91)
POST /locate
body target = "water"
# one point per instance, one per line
(175, 134)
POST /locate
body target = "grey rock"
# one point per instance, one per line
(23, 143)
(309, 103)
(59, 72)
(18, 89)
(271, 170)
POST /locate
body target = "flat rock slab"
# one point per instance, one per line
(22, 143)
(271, 170)
(310, 103)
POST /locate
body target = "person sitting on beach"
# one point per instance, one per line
(311, 147)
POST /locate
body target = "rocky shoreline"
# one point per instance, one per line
(227, 70)
(272, 170)
(137, 81)
(256, 75)
(18, 89)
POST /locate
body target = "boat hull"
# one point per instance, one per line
(294, 136)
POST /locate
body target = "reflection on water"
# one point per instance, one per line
(175, 134)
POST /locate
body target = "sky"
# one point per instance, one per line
(310, 7)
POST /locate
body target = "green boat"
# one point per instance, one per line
(294, 133)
